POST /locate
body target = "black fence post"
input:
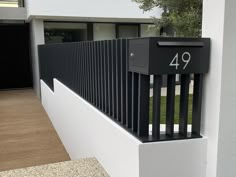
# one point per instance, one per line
(156, 106)
(143, 105)
(170, 105)
(197, 104)
(184, 97)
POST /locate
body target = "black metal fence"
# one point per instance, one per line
(98, 72)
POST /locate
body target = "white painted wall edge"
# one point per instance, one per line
(87, 132)
(90, 19)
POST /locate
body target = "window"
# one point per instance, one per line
(104, 31)
(127, 31)
(59, 32)
(148, 30)
(11, 3)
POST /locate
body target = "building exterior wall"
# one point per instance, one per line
(36, 12)
(211, 99)
(219, 92)
(227, 135)
(37, 38)
(88, 8)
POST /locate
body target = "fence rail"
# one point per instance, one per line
(98, 72)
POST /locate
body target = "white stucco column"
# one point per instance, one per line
(37, 37)
(219, 104)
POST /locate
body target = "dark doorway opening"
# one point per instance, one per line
(15, 65)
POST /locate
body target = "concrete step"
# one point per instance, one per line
(89, 167)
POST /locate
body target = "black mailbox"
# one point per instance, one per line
(158, 55)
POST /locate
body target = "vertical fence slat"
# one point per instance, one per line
(109, 70)
(89, 65)
(184, 96)
(113, 60)
(86, 71)
(118, 81)
(82, 76)
(90, 71)
(143, 105)
(135, 86)
(128, 89)
(123, 49)
(105, 77)
(96, 75)
(197, 103)
(79, 66)
(72, 67)
(156, 106)
(170, 105)
(102, 76)
(93, 74)
(76, 68)
(80, 70)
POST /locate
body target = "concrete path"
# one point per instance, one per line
(81, 168)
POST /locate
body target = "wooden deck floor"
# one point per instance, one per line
(27, 137)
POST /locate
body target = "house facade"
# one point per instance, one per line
(24, 26)
(39, 22)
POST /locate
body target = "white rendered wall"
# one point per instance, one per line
(87, 8)
(37, 38)
(219, 93)
(86, 132)
(183, 158)
(227, 134)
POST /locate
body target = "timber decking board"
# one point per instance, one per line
(27, 137)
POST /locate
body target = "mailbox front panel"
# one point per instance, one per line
(139, 52)
(173, 55)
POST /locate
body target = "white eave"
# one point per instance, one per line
(12, 13)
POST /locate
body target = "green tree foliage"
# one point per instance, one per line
(184, 16)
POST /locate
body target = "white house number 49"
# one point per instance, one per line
(186, 57)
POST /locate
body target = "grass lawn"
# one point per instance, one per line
(163, 109)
